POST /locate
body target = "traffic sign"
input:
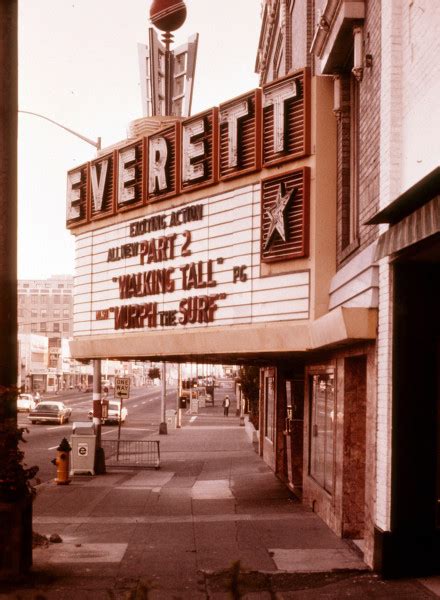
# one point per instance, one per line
(122, 387)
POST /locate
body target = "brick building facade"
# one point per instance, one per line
(324, 443)
(408, 437)
(349, 429)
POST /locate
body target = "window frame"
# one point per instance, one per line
(327, 480)
(353, 220)
(269, 407)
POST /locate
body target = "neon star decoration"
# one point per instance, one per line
(276, 214)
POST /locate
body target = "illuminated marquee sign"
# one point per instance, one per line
(259, 129)
(196, 265)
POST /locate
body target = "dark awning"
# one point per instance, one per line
(415, 197)
(417, 226)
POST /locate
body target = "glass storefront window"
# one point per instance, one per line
(269, 393)
(322, 429)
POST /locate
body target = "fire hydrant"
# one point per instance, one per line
(62, 462)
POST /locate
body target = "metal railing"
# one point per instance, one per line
(131, 453)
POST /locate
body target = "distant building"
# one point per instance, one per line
(33, 361)
(45, 306)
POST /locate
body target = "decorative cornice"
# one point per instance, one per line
(331, 27)
(270, 10)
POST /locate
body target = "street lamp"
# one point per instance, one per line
(96, 144)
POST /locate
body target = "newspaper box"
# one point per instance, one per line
(83, 442)
(171, 418)
(202, 398)
(194, 402)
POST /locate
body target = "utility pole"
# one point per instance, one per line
(97, 414)
(15, 496)
(178, 394)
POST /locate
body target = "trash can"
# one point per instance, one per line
(83, 442)
(171, 418)
(194, 402)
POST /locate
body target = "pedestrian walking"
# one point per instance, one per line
(226, 404)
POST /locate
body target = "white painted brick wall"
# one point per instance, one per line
(420, 81)
(390, 161)
(409, 149)
(410, 89)
(391, 101)
(384, 345)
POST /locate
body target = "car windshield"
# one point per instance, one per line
(113, 406)
(44, 407)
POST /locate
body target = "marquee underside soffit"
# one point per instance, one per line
(263, 345)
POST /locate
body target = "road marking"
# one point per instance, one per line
(144, 402)
(135, 405)
(53, 448)
(192, 419)
(57, 427)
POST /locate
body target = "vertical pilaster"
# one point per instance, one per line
(390, 161)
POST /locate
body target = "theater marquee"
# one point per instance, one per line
(200, 264)
(260, 129)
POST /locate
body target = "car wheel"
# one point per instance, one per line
(33, 422)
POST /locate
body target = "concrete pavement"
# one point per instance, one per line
(213, 522)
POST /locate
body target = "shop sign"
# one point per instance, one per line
(262, 128)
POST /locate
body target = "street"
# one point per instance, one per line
(142, 421)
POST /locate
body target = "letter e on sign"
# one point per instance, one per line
(122, 387)
(83, 449)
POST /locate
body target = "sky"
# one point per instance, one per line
(78, 65)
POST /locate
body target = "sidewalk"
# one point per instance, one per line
(179, 532)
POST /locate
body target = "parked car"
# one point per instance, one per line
(26, 402)
(50, 412)
(114, 413)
